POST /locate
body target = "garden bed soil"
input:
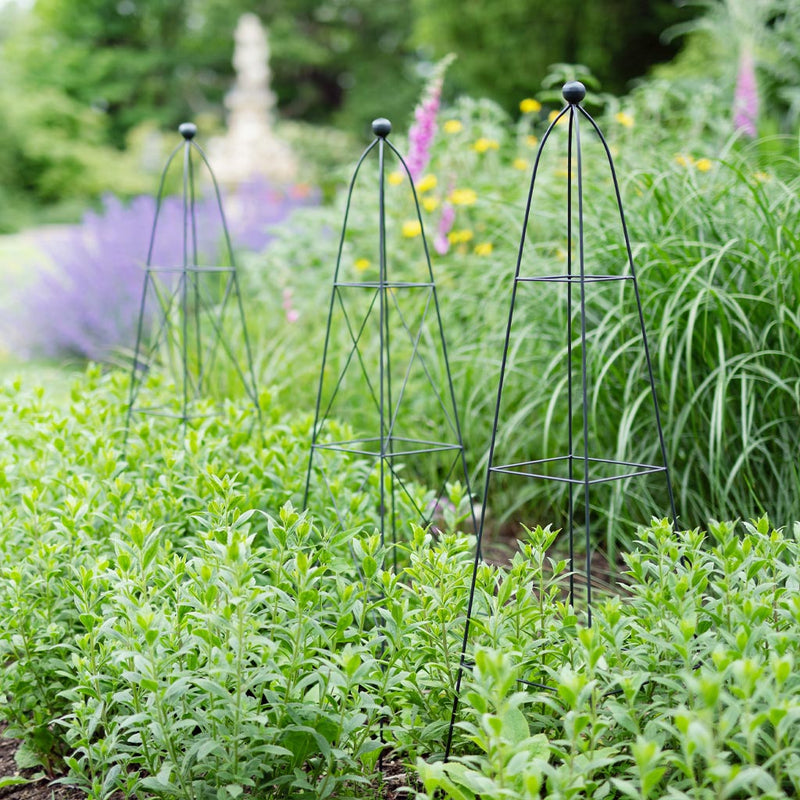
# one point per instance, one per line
(41, 789)
(393, 782)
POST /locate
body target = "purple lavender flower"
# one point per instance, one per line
(421, 133)
(256, 206)
(86, 303)
(745, 102)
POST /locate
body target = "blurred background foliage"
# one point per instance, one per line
(501, 46)
(85, 80)
(86, 84)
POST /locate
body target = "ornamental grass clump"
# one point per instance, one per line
(715, 251)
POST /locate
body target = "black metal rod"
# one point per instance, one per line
(570, 404)
(185, 288)
(482, 521)
(315, 429)
(584, 376)
(383, 332)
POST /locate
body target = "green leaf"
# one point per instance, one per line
(26, 757)
(515, 727)
(628, 788)
(15, 780)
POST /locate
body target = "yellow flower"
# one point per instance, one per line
(459, 236)
(530, 106)
(362, 264)
(426, 184)
(521, 164)
(453, 126)
(553, 114)
(483, 144)
(411, 228)
(532, 141)
(624, 119)
(761, 177)
(684, 161)
(396, 178)
(483, 249)
(430, 203)
(703, 164)
(463, 197)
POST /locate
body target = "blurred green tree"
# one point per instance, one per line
(164, 60)
(505, 49)
(350, 60)
(129, 60)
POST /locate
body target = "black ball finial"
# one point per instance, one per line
(573, 92)
(381, 127)
(188, 130)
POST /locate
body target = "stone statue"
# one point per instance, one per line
(250, 148)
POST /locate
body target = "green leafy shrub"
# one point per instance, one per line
(684, 688)
(137, 588)
(174, 628)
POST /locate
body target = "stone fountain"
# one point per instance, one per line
(250, 148)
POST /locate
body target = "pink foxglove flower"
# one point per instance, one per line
(421, 133)
(292, 314)
(745, 102)
(440, 242)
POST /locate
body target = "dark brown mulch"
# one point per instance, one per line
(37, 788)
(392, 782)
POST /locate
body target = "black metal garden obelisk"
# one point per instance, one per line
(187, 309)
(578, 468)
(384, 348)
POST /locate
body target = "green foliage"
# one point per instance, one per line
(716, 252)
(164, 62)
(128, 62)
(55, 148)
(714, 229)
(174, 628)
(505, 52)
(684, 689)
(721, 30)
(350, 59)
(82, 81)
(511, 760)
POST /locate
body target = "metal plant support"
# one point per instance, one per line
(580, 470)
(383, 378)
(187, 306)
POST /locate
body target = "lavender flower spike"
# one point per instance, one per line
(421, 133)
(745, 102)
